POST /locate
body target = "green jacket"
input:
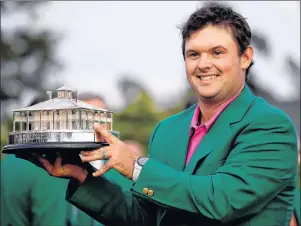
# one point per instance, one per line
(244, 172)
(25, 195)
(30, 197)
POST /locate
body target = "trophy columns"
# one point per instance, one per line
(40, 120)
(14, 123)
(80, 119)
(111, 117)
(53, 118)
(21, 124)
(93, 116)
(27, 120)
(105, 119)
(67, 122)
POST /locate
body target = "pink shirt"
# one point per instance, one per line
(197, 132)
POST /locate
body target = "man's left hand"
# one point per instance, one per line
(118, 154)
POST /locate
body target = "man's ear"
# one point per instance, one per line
(247, 57)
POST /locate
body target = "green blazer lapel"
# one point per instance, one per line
(179, 141)
(220, 132)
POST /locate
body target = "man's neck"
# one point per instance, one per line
(207, 109)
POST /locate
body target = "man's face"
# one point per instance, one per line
(214, 68)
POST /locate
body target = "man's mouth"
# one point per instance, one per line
(207, 77)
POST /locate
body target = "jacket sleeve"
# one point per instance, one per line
(108, 203)
(263, 156)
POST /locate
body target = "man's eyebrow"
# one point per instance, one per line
(190, 51)
(218, 46)
(212, 48)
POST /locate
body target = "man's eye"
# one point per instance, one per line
(217, 53)
(192, 54)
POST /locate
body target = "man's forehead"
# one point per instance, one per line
(210, 37)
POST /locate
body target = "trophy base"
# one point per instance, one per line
(52, 147)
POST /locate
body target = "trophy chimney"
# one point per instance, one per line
(49, 93)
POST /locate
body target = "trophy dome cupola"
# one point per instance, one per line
(66, 92)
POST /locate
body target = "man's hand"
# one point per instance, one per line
(64, 170)
(118, 154)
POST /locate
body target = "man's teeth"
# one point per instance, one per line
(207, 77)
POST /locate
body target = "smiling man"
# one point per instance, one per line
(231, 159)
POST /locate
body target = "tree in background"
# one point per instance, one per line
(27, 55)
(27, 59)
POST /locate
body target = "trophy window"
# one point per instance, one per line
(48, 125)
(31, 126)
(17, 126)
(74, 126)
(23, 126)
(88, 125)
(57, 125)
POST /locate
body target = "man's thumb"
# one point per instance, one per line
(97, 127)
(102, 132)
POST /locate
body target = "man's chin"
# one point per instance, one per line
(207, 96)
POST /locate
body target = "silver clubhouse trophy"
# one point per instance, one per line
(62, 124)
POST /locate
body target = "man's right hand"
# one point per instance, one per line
(64, 170)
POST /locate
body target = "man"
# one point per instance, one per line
(229, 160)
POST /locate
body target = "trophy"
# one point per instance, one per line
(62, 124)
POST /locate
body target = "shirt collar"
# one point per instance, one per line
(195, 118)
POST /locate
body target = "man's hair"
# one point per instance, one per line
(217, 14)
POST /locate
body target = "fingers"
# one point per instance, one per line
(103, 153)
(98, 137)
(110, 138)
(58, 162)
(45, 163)
(103, 169)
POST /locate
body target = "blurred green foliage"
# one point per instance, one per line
(138, 119)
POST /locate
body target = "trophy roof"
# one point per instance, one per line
(64, 88)
(61, 103)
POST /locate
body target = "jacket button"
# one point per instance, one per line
(145, 190)
(150, 192)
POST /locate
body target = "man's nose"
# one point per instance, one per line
(204, 62)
